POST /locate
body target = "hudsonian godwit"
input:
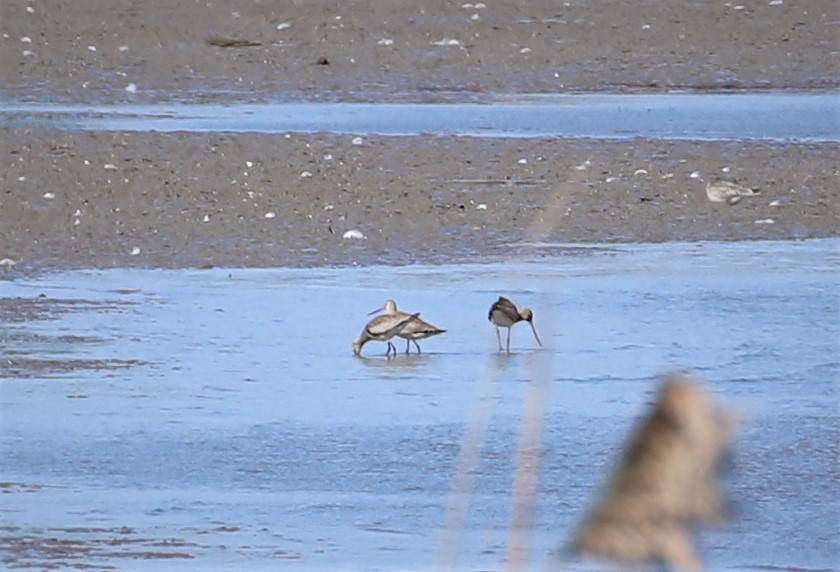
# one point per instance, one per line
(382, 329)
(415, 330)
(504, 314)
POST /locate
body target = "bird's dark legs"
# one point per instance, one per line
(416, 345)
(508, 341)
(407, 346)
(390, 347)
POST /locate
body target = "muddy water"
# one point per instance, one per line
(246, 433)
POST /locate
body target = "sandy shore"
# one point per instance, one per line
(82, 199)
(89, 51)
(104, 199)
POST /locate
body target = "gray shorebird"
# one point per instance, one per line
(382, 329)
(728, 192)
(504, 314)
(415, 330)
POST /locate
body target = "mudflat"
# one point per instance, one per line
(378, 50)
(73, 199)
(101, 199)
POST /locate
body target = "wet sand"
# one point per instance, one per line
(110, 199)
(77, 51)
(182, 199)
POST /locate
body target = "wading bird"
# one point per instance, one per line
(503, 314)
(415, 330)
(382, 329)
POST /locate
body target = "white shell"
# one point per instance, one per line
(353, 235)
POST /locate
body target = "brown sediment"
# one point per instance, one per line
(77, 51)
(257, 200)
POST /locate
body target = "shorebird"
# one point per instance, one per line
(503, 314)
(727, 192)
(382, 329)
(415, 330)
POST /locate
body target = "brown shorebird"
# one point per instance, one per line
(415, 330)
(504, 314)
(382, 329)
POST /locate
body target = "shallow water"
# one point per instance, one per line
(252, 436)
(773, 116)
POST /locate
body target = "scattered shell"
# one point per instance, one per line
(646, 27)
(776, 2)
(725, 169)
(640, 172)
(78, 212)
(525, 51)
(467, 6)
(284, 26)
(353, 235)
(7, 262)
(765, 221)
(123, 48)
(668, 176)
(22, 178)
(329, 207)
(480, 6)
(694, 175)
(77, 222)
(739, 7)
(27, 53)
(131, 88)
(328, 157)
(385, 42)
(135, 251)
(270, 215)
(26, 40)
(727, 192)
(481, 207)
(249, 164)
(31, 10)
(358, 141)
(91, 48)
(523, 161)
(305, 174)
(611, 179)
(474, 17)
(583, 166)
(446, 42)
(776, 203)
(206, 218)
(110, 167)
(49, 195)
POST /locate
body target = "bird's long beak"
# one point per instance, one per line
(380, 309)
(533, 329)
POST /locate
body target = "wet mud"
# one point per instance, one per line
(110, 199)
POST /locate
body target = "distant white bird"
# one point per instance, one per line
(727, 192)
